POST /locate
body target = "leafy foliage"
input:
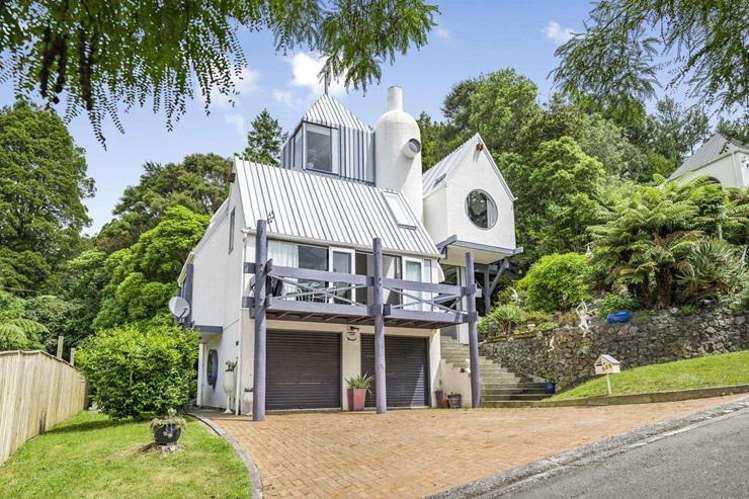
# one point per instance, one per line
(505, 316)
(139, 372)
(21, 334)
(617, 55)
(713, 269)
(143, 277)
(100, 56)
(42, 186)
(264, 140)
(557, 282)
(200, 183)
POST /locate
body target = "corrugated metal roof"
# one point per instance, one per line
(325, 209)
(714, 147)
(433, 177)
(329, 112)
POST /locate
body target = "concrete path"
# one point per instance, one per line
(413, 453)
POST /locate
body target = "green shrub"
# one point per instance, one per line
(21, 334)
(505, 316)
(613, 302)
(713, 269)
(139, 371)
(556, 282)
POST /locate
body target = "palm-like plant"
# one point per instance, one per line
(648, 234)
(21, 334)
(713, 268)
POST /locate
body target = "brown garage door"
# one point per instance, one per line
(304, 370)
(406, 366)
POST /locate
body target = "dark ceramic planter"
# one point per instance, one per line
(166, 434)
(356, 398)
(455, 401)
(550, 388)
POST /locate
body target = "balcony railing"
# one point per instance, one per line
(314, 295)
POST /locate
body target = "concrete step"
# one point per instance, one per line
(504, 392)
(516, 396)
(512, 386)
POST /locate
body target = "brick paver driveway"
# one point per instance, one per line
(411, 453)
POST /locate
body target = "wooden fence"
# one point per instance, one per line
(37, 391)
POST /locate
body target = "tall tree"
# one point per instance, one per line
(676, 130)
(264, 140)
(99, 55)
(627, 46)
(200, 182)
(43, 183)
(142, 278)
(501, 105)
(431, 138)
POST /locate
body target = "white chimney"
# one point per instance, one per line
(398, 152)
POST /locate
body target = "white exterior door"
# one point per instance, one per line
(342, 260)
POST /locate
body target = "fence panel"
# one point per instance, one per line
(37, 391)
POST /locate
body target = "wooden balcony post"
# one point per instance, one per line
(379, 327)
(258, 379)
(473, 335)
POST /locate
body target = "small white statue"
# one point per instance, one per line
(584, 314)
(229, 382)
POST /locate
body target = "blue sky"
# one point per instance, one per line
(472, 37)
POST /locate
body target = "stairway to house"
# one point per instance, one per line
(498, 385)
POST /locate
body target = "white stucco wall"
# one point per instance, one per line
(726, 170)
(477, 172)
(435, 218)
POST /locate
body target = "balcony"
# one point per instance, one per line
(296, 294)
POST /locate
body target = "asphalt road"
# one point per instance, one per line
(708, 460)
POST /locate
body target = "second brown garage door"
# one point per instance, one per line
(406, 366)
(304, 370)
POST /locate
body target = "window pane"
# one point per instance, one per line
(342, 263)
(398, 209)
(481, 209)
(319, 154)
(316, 258)
(412, 273)
(298, 150)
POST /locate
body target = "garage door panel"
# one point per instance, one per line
(303, 370)
(406, 362)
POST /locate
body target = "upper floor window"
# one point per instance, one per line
(399, 210)
(481, 209)
(319, 140)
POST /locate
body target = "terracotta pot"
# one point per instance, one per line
(439, 395)
(356, 398)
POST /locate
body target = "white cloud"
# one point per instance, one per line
(556, 33)
(286, 97)
(237, 122)
(305, 69)
(245, 83)
(442, 32)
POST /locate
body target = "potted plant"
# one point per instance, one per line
(358, 386)
(455, 400)
(167, 430)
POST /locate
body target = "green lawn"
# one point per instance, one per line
(704, 372)
(92, 456)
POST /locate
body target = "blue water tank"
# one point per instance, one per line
(619, 316)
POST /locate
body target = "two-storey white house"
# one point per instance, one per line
(340, 185)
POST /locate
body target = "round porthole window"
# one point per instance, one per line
(481, 209)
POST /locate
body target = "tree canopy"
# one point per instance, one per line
(264, 140)
(99, 56)
(200, 183)
(627, 47)
(43, 183)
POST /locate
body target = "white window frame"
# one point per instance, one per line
(410, 303)
(334, 147)
(352, 259)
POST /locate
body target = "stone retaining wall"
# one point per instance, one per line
(565, 356)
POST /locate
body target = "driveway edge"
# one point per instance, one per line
(256, 484)
(523, 476)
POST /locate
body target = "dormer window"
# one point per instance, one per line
(319, 145)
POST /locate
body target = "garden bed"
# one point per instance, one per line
(91, 455)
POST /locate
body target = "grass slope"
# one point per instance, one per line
(703, 372)
(91, 456)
